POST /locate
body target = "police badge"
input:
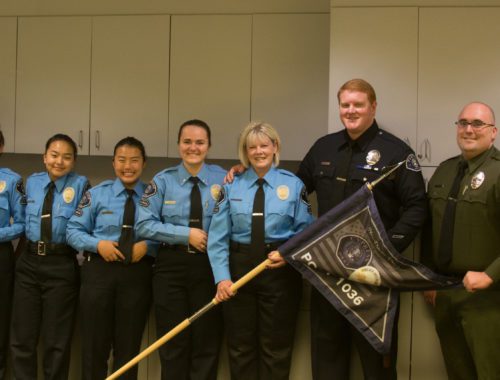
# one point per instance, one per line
(372, 157)
(477, 180)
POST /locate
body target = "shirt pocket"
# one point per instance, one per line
(172, 213)
(4, 210)
(108, 223)
(324, 180)
(279, 217)
(241, 215)
(33, 213)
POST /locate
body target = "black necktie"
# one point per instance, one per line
(258, 220)
(46, 223)
(196, 213)
(126, 242)
(448, 225)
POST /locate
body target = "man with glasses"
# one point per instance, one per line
(463, 240)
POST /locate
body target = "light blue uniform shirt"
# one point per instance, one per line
(165, 205)
(99, 216)
(287, 212)
(68, 192)
(12, 205)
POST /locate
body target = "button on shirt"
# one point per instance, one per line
(12, 204)
(68, 192)
(165, 206)
(400, 199)
(287, 212)
(99, 216)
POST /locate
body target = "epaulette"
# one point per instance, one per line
(285, 172)
(108, 182)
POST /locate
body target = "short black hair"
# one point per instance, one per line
(132, 141)
(2, 140)
(196, 123)
(62, 137)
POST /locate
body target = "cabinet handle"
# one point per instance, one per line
(97, 140)
(420, 149)
(80, 139)
(428, 150)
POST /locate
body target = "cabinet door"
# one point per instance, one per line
(130, 65)
(380, 46)
(210, 78)
(53, 81)
(8, 37)
(290, 78)
(459, 57)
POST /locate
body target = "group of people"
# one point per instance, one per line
(194, 230)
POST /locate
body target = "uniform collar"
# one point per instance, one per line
(270, 176)
(184, 175)
(60, 182)
(118, 187)
(362, 141)
(476, 162)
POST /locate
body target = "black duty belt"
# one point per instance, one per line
(41, 248)
(180, 248)
(240, 247)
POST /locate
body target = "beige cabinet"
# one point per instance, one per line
(290, 78)
(129, 86)
(458, 63)
(381, 46)
(53, 81)
(8, 41)
(210, 76)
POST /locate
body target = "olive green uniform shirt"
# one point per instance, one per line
(476, 239)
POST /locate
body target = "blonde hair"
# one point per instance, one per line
(257, 130)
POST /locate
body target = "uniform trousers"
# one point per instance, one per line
(115, 300)
(468, 325)
(6, 285)
(44, 305)
(182, 284)
(261, 319)
(331, 337)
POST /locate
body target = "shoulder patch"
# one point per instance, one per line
(86, 201)
(150, 190)
(304, 198)
(412, 163)
(20, 190)
(222, 198)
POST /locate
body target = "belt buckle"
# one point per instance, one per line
(40, 248)
(189, 249)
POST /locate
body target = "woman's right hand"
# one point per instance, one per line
(224, 291)
(109, 250)
(198, 239)
(234, 171)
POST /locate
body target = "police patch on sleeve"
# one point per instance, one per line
(412, 163)
(305, 199)
(20, 190)
(222, 198)
(84, 202)
(151, 190)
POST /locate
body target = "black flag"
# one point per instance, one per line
(346, 254)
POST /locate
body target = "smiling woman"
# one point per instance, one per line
(176, 210)
(115, 294)
(254, 215)
(47, 273)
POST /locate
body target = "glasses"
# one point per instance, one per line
(476, 124)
